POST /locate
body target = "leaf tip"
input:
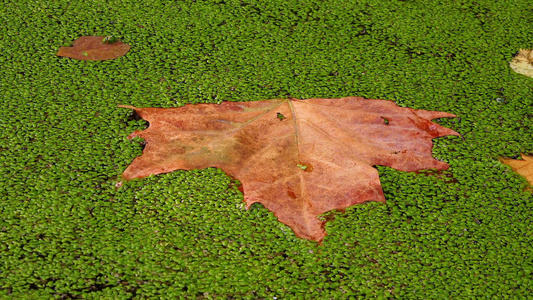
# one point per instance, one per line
(127, 106)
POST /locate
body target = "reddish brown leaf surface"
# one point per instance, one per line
(94, 48)
(299, 158)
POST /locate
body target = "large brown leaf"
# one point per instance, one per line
(299, 158)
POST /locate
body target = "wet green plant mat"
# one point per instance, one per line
(68, 230)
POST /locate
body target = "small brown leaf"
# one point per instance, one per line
(94, 48)
(522, 63)
(522, 166)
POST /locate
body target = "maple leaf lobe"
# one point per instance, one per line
(319, 158)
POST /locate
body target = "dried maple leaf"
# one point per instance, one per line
(522, 166)
(299, 158)
(522, 63)
(94, 48)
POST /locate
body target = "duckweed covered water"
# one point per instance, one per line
(68, 232)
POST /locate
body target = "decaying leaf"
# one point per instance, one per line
(299, 158)
(522, 166)
(523, 62)
(94, 48)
